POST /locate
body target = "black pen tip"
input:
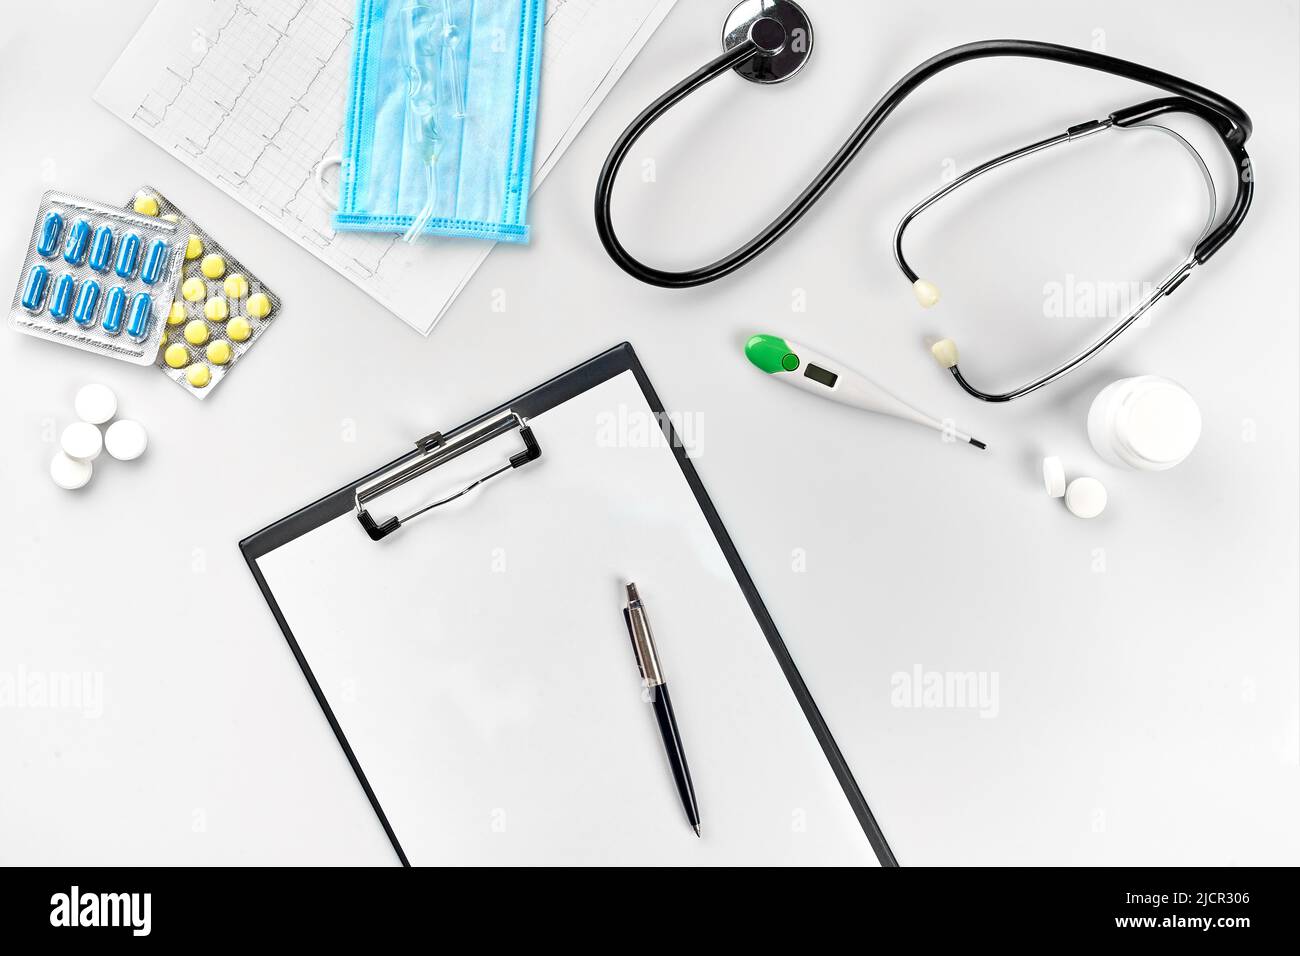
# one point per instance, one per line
(697, 829)
(977, 443)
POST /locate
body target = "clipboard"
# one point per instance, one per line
(530, 738)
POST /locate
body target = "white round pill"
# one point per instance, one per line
(70, 473)
(1086, 497)
(1054, 476)
(96, 404)
(82, 440)
(126, 439)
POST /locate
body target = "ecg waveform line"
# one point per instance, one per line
(256, 103)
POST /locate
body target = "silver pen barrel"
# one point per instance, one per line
(643, 642)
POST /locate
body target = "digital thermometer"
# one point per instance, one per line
(803, 368)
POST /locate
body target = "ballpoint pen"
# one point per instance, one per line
(652, 678)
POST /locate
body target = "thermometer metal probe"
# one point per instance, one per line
(803, 368)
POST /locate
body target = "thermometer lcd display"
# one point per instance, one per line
(820, 375)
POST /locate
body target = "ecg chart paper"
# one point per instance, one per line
(251, 95)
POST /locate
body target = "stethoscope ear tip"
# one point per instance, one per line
(926, 292)
(945, 352)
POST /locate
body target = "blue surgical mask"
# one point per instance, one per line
(439, 132)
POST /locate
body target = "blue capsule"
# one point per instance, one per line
(155, 261)
(74, 250)
(38, 280)
(101, 249)
(83, 313)
(137, 326)
(128, 250)
(114, 310)
(61, 300)
(47, 243)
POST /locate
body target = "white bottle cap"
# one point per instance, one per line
(82, 440)
(1146, 422)
(1086, 497)
(1054, 476)
(1159, 424)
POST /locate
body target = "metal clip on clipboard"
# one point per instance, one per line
(434, 450)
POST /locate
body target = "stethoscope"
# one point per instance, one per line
(768, 41)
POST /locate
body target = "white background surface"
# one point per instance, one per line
(1146, 662)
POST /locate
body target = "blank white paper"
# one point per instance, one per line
(478, 663)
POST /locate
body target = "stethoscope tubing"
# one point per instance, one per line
(1236, 131)
(618, 153)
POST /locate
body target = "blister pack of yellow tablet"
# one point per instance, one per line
(221, 308)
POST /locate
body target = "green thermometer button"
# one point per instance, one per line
(771, 353)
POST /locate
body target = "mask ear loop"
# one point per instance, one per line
(945, 350)
(329, 195)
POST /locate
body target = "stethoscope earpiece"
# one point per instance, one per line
(926, 292)
(945, 353)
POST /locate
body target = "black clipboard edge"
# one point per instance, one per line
(556, 391)
(324, 704)
(820, 728)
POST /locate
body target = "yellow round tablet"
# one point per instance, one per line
(194, 289)
(239, 329)
(218, 353)
(196, 333)
(216, 309)
(198, 375)
(177, 356)
(177, 313)
(213, 265)
(146, 204)
(258, 305)
(194, 247)
(236, 286)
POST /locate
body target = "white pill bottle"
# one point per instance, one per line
(1147, 422)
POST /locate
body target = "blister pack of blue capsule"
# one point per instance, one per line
(99, 278)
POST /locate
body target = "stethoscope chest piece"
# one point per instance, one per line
(782, 33)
